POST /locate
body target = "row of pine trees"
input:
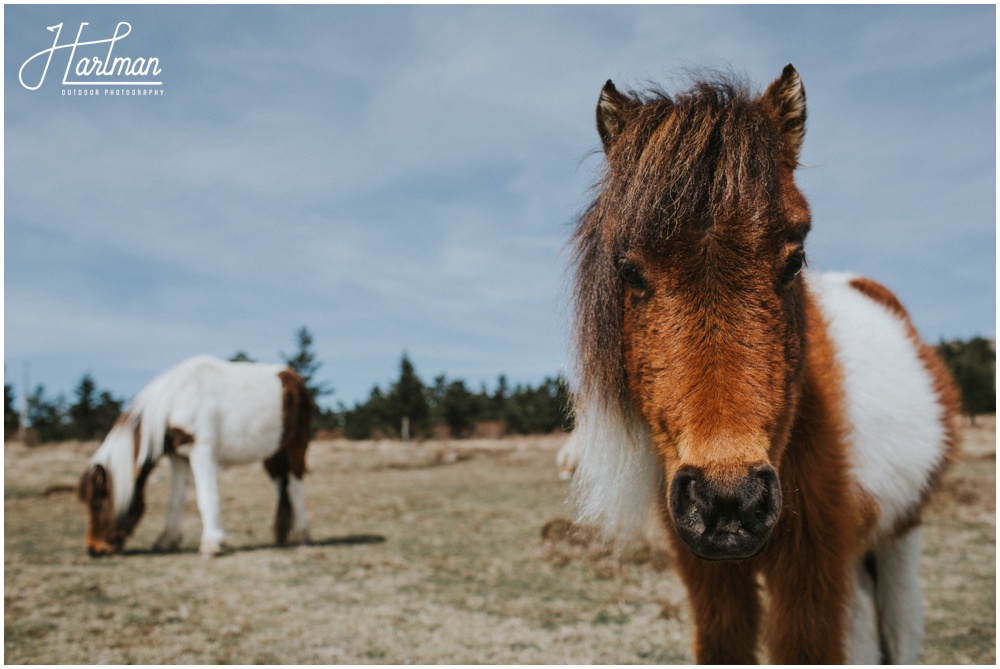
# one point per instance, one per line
(406, 405)
(411, 408)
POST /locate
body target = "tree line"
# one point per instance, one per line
(410, 408)
(524, 409)
(90, 416)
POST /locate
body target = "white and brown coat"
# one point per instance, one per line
(201, 414)
(788, 425)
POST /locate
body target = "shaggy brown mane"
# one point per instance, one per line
(700, 158)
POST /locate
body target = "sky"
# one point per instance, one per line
(405, 178)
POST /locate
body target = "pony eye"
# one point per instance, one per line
(793, 266)
(631, 276)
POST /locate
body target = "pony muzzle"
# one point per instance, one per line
(729, 520)
(99, 548)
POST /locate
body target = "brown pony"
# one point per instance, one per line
(788, 425)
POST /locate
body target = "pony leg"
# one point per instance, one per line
(726, 609)
(810, 597)
(180, 472)
(277, 468)
(206, 485)
(863, 645)
(897, 593)
(283, 516)
(286, 469)
(300, 531)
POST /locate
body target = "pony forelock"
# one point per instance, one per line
(617, 477)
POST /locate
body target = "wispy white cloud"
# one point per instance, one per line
(405, 177)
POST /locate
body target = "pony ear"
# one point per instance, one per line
(787, 97)
(100, 477)
(611, 108)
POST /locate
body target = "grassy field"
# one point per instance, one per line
(442, 552)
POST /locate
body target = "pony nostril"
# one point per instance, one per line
(684, 491)
(687, 499)
(763, 499)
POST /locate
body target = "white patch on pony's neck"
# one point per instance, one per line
(617, 477)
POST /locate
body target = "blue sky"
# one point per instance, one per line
(405, 178)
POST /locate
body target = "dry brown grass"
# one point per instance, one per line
(444, 552)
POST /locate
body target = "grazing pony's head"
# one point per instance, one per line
(689, 309)
(112, 488)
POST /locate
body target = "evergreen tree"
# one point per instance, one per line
(94, 413)
(83, 412)
(48, 418)
(364, 420)
(539, 410)
(241, 356)
(11, 418)
(305, 364)
(435, 399)
(498, 403)
(106, 412)
(973, 365)
(458, 409)
(407, 399)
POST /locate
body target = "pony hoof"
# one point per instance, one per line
(301, 538)
(167, 544)
(212, 549)
(102, 549)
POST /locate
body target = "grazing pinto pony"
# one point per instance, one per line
(789, 425)
(201, 414)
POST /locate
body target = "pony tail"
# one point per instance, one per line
(617, 477)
